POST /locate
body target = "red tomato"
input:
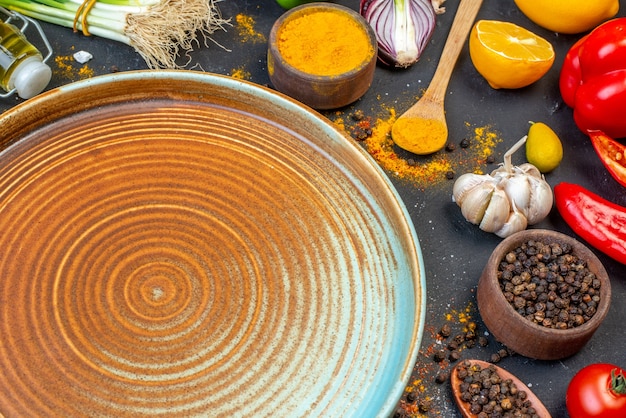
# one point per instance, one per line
(597, 391)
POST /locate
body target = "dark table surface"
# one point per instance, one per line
(454, 251)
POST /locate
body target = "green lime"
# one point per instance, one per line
(543, 147)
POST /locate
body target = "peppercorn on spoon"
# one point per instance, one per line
(422, 129)
(465, 407)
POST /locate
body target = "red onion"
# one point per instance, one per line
(403, 28)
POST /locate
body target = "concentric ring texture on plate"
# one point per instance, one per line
(183, 244)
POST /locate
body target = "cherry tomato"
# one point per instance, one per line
(612, 153)
(597, 391)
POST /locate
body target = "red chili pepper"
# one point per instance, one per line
(596, 220)
(593, 79)
(612, 154)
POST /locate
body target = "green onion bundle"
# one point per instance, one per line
(159, 30)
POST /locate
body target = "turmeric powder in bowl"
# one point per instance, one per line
(324, 42)
(322, 54)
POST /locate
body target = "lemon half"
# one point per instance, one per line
(507, 55)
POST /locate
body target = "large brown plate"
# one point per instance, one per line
(176, 244)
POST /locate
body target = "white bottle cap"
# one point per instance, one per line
(30, 77)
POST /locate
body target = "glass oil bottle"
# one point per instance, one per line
(22, 67)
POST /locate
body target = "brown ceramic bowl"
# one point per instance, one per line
(522, 335)
(320, 91)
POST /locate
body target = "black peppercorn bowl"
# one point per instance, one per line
(523, 335)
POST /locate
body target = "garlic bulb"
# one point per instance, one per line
(507, 200)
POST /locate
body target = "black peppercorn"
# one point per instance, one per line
(548, 285)
(488, 395)
(445, 330)
(425, 405)
(440, 356)
(357, 115)
(442, 376)
(483, 341)
(411, 397)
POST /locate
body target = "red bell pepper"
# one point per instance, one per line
(593, 79)
(599, 222)
(612, 154)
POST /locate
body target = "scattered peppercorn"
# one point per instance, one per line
(361, 134)
(425, 405)
(453, 345)
(440, 356)
(445, 330)
(490, 159)
(399, 413)
(454, 356)
(411, 397)
(465, 143)
(357, 115)
(450, 147)
(442, 376)
(450, 174)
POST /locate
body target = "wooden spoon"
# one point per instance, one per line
(464, 407)
(422, 129)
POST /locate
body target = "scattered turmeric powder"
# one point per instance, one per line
(246, 29)
(423, 171)
(66, 68)
(325, 43)
(485, 141)
(240, 73)
(381, 147)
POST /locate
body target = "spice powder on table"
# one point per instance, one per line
(246, 29)
(461, 155)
